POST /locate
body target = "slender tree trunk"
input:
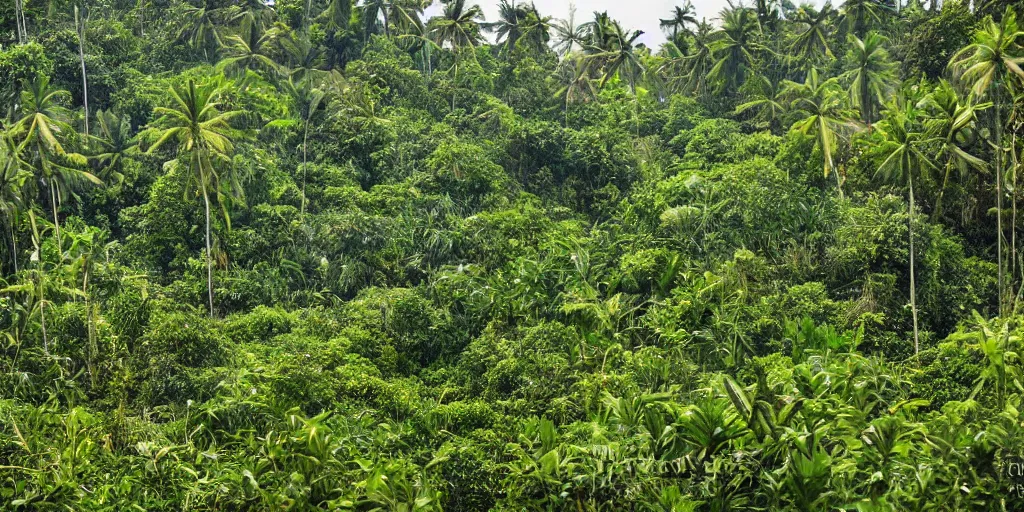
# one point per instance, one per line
(913, 283)
(89, 326)
(17, 21)
(56, 221)
(305, 139)
(80, 28)
(839, 183)
(42, 306)
(999, 199)
(942, 192)
(142, 18)
(209, 255)
(1013, 216)
(14, 246)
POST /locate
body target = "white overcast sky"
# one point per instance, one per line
(633, 14)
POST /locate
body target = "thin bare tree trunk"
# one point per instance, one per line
(1013, 217)
(305, 140)
(80, 28)
(17, 21)
(56, 221)
(14, 245)
(913, 283)
(42, 306)
(209, 255)
(999, 199)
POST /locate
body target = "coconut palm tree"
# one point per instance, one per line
(198, 27)
(700, 61)
(14, 173)
(458, 26)
(308, 97)
(372, 13)
(249, 50)
(859, 16)
(734, 48)
(903, 156)
(620, 59)
(811, 47)
(407, 15)
(575, 77)
(764, 97)
(679, 23)
(951, 124)
(822, 115)
(569, 34)
(337, 14)
(43, 124)
(986, 65)
(203, 136)
(113, 140)
(509, 26)
(303, 58)
(869, 72)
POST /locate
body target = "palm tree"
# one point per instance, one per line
(14, 174)
(249, 51)
(308, 100)
(701, 61)
(509, 26)
(811, 46)
(577, 83)
(80, 32)
(860, 15)
(682, 18)
(568, 34)
(337, 14)
(407, 15)
(951, 125)
(204, 140)
(372, 12)
(458, 26)
(199, 29)
(114, 136)
(304, 59)
(823, 116)
(903, 153)
(620, 58)
(986, 64)
(869, 72)
(764, 96)
(734, 48)
(44, 119)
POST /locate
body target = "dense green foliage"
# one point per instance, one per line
(326, 255)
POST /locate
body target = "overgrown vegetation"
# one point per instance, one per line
(325, 255)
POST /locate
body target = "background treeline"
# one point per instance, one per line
(336, 256)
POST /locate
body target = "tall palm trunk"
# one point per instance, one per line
(17, 21)
(913, 283)
(80, 28)
(305, 139)
(1013, 217)
(56, 222)
(999, 197)
(209, 255)
(14, 246)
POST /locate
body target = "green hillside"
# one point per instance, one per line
(365, 255)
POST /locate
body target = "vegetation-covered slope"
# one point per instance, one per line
(325, 255)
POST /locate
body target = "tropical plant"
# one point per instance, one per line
(203, 135)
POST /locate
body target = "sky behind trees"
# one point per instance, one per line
(634, 14)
